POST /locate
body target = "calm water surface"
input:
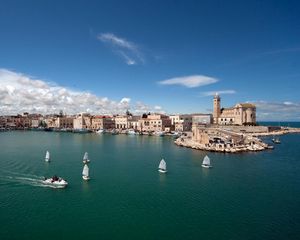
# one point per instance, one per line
(244, 196)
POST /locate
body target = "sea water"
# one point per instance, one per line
(253, 195)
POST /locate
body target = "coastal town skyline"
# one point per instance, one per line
(170, 57)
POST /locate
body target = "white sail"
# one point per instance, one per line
(206, 161)
(86, 156)
(47, 157)
(85, 171)
(162, 165)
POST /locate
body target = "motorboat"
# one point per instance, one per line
(55, 181)
(131, 132)
(159, 133)
(100, 131)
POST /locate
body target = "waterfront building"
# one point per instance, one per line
(50, 122)
(174, 119)
(64, 122)
(11, 122)
(202, 119)
(82, 121)
(102, 122)
(35, 123)
(25, 121)
(121, 122)
(184, 122)
(181, 122)
(240, 114)
(3, 122)
(134, 122)
(155, 123)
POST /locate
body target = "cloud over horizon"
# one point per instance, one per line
(127, 50)
(277, 111)
(190, 81)
(221, 92)
(21, 93)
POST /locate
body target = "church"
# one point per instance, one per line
(240, 114)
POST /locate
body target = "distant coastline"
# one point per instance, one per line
(292, 124)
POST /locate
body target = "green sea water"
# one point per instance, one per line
(244, 196)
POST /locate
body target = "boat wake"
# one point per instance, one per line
(25, 179)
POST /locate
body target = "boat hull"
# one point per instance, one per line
(206, 166)
(86, 178)
(86, 161)
(162, 171)
(61, 183)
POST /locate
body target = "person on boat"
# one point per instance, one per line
(54, 178)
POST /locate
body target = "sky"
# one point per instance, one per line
(105, 57)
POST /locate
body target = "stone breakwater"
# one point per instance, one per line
(256, 145)
(282, 131)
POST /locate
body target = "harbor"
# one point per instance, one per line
(127, 192)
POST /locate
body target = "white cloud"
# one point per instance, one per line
(113, 39)
(277, 111)
(125, 100)
(221, 92)
(20, 93)
(129, 51)
(128, 60)
(190, 81)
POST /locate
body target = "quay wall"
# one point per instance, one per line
(246, 129)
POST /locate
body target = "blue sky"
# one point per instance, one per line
(167, 56)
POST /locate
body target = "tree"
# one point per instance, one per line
(42, 124)
(128, 113)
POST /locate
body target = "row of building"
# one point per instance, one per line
(240, 114)
(84, 121)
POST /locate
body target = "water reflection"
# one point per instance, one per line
(85, 186)
(162, 177)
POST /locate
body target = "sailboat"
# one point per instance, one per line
(276, 140)
(86, 158)
(85, 173)
(47, 157)
(206, 162)
(162, 166)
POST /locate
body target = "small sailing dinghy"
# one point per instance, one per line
(47, 157)
(206, 162)
(85, 173)
(162, 166)
(55, 181)
(86, 158)
(276, 140)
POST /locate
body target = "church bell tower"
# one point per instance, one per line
(217, 108)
